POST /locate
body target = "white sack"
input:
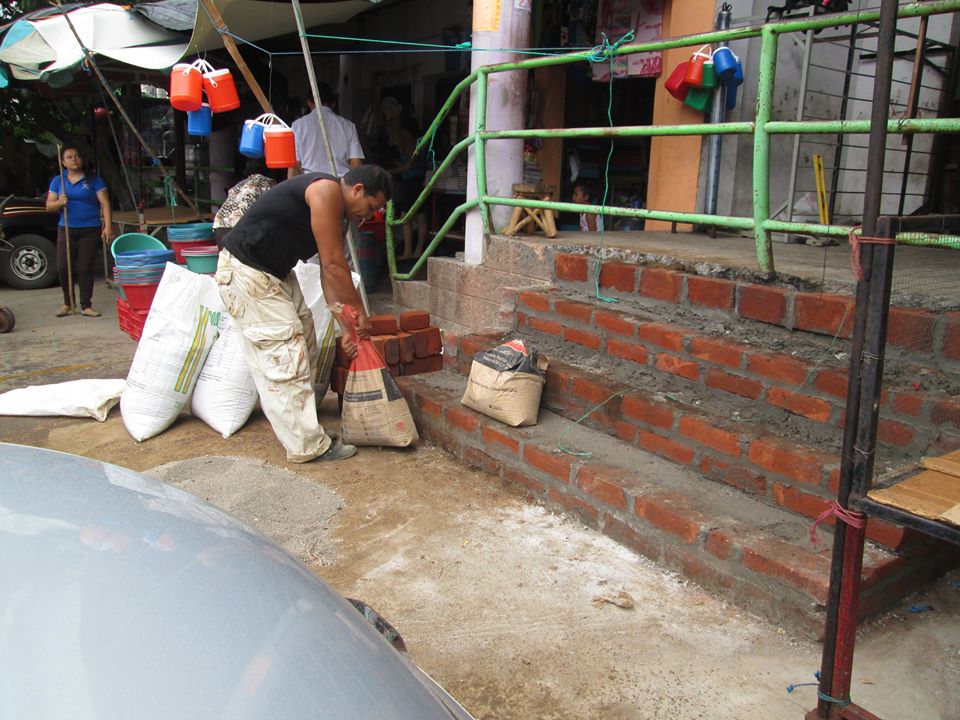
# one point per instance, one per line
(76, 398)
(225, 393)
(177, 337)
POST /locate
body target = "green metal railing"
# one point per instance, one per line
(762, 128)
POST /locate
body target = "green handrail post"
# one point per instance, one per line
(761, 149)
(437, 239)
(480, 149)
(391, 254)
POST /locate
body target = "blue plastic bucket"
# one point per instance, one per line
(251, 139)
(143, 258)
(724, 63)
(199, 121)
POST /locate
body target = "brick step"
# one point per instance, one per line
(755, 455)
(757, 555)
(809, 383)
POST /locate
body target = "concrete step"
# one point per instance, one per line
(755, 554)
(527, 257)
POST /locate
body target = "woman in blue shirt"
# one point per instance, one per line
(80, 199)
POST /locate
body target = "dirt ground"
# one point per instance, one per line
(493, 595)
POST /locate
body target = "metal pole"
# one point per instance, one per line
(718, 113)
(761, 148)
(66, 228)
(480, 158)
(841, 619)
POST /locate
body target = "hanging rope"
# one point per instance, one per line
(856, 239)
(850, 517)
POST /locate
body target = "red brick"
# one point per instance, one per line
(784, 457)
(621, 428)
(669, 337)
(388, 347)
(888, 534)
(548, 326)
(809, 407)
(671, 513)
(593, 391)
(571, 267)
(778, 559)
(582, 337)
(462, 419)
(826, 314)
(678, 366)
(665, 447)
(892, 432)
(581, 312)
(710, 292)
(720, 352)
(733, 475)
(951, 336)
(618, 276)
(557, 465)
(383, 325)
(718, 543)
(495, 437)
(426, 342)
(520, 478)
(832, 383)
(535, 301)
(639, 408)
(472, 344)
(907, 403)
(451, 343)
(408, 349)
(429, 406)
(617, 324)
(766, 304)
(628, 351)
(709, 435)
(605, 483)
(558, 378)
(781, 368)
(475, 458)
(911, 329)
(651, 547)
(745, 387)
(661, 284)
(419, 366)
(946, 412)
(799, 501)
(414, 320)
(521, 319)
(587, 512)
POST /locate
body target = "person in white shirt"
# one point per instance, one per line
(311, 150)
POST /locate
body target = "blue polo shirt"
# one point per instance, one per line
(83, 208)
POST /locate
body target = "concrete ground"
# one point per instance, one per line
(498, 599)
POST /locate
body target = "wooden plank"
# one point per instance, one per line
(231, 46)
(941, 464)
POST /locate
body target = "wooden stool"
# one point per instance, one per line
(523, 216)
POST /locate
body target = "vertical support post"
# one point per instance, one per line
(718, 112)
(761, 148)
(308, 61)
(480, 145)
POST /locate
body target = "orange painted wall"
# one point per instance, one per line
(675, 161)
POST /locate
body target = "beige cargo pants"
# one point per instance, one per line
(280, 348)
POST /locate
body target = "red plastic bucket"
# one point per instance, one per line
(178, 246)
(140, 297)
(279, 146)
(186, 87)
(221, 91)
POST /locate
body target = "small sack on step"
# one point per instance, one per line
(506, 383)
(374, 410)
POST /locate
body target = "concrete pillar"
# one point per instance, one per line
(497, 25)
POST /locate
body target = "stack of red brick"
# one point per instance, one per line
(412, 348)
(131, 321)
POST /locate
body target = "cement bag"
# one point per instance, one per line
(225, 393)
(177, 337)
(506, 383)
(76, 398)
(325, 329)
(374, 410)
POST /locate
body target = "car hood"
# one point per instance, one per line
(123, 597)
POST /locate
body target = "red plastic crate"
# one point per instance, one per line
(131, 321)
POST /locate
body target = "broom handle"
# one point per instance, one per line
(66, 229)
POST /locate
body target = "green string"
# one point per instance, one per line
(588, 414)
(606, 52)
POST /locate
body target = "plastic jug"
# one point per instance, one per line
(186, 87)
(221, 91)
(279, 146)
(251, 139)
(199, 121)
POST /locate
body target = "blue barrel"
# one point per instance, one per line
(370, 258)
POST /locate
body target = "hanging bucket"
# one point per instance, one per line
(675, 84)
(199, 121)
(694, 73)
(709, 76)
(186, 87)
(698, 98)
(221, 91)
(725, 63)
(279, 147)
(251, 139)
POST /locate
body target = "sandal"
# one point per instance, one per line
(89, 312)
(63, 311)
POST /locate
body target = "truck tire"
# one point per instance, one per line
(31, 264)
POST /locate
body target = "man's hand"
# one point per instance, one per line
(363, 324)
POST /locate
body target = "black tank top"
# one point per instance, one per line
(275, 232)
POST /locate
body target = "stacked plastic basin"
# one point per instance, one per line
(189, 235)
(138, 274)
(202, 259)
